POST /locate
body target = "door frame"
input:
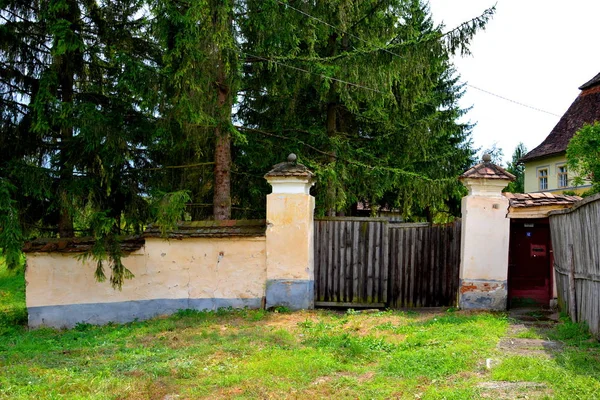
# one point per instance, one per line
(538, 223)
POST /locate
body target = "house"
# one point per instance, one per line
(545, 166)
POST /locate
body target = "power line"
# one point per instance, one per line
(402, 57)
(338, 29)
(314, 73)
(512, 101)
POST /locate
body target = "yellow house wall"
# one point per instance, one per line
(552, 163)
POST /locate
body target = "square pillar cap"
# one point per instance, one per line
(290, 168)
(487, 170)
(290, 177)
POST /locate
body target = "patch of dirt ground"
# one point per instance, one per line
(514, 390)
(529, 347)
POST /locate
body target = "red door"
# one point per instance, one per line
(530, 267)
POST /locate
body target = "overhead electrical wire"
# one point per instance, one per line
(304, 13)
(313, 73)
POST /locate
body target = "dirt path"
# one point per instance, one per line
(516, 342)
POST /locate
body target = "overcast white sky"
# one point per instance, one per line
(536, 52)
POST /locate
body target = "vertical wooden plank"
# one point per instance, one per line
(330, 228)
(421, 254)
(391, 270)
(410, 267)
(419, 264)
(377, 239)
(400, 270)
(456, 240)
(413, 246)
(572, 285)
(404, 268)
(443, 273)
(369, 263)
(425, 266)
(341, 249)
(355, 260)
(425, 298)
(317, 256)
(440, 267)
(434, 267)
(321, 260)
(362, 232)
(318, 261)
(348, 263)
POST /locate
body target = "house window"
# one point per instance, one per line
(543, 178)
(563, 180)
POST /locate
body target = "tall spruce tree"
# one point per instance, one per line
(113, 111)
(364, 92)
(201, 76)
(78, 98)
(517, 169)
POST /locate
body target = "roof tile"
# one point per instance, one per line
(584, 110)
(518, 200)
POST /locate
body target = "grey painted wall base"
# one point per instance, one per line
(482, 295)
(67, 316)
(291, 293)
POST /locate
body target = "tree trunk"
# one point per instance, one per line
(331, 127)
(222, 189)
(65, 64)
(65, 219)
(331, 131)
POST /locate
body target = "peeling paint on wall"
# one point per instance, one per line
(483, 294)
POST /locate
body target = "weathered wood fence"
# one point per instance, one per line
(576, 245)
(373, 262)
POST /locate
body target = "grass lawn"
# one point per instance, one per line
(258, 354)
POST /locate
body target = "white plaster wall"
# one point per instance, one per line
(290, 236)
(485, 236)
(176, 269)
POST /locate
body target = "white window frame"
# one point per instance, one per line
(560, 174)
(540, 177)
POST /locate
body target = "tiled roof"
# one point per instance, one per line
(289, 168)
(487, 170)
(77, 245)
(183, 230)
(595, 81)
(198, 229)
(517, 200)
(584, 110)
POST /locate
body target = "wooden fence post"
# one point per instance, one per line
(572, 290)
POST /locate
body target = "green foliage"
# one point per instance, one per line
(10, 230)
(115, 115)
(169, 208)
(253, 353)
(583, 156)
(13, 313)
(517, 169)
(495, 152)
(393, 139)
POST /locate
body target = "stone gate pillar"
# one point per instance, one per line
(290, 236)
(485, 238)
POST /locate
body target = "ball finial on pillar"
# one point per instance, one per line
(292, 158)
(487, 158)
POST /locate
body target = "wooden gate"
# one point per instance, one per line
(375, 263)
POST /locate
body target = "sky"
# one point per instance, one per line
(535, 52)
